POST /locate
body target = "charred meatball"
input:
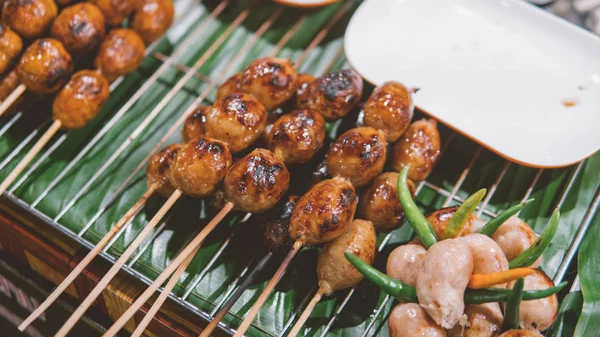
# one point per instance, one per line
(8, 84)
(115, 11)
(194, 124)
(120, 53)
(440, 218)
(45, 66)
(152, 18)
(333, 95)
(230, 87)
(80, 28)
(80, 99)
(419, 146)
(158, 169)
(390, 109)
(10, 47)
(30, 18)
(271, 80)
(358, 154)
(277, 230)
(304, 80)
(297, 136)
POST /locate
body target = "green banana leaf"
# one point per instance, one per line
(568, 314)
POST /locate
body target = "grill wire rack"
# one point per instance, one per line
(80, 187)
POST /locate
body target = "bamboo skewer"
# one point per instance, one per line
(12, 98)
(306, 313)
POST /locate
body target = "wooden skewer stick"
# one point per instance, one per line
(89, 257)
(306, 313)
(268, 290)
(185, 253)
(89, 300)
(30, 155)
(12, 98)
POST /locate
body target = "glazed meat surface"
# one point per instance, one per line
(158, 168)
(419, 146)
(80, 28)
(121, 52)
(152, 18)
(390, 108)
(277, 229)
(45, 66)
(297, 136)
(11, 46)
(29, 18)
(271, 80)
(115, 11)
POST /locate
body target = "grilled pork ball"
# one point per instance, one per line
(45, 66)
(80, 99)
(304, 80)
(158, 169)
(80, 28)
(410, 320)
(379, 202)
(483, 320)
(335, 272)
(29, 18)
(230, 87)
(121, 52)
(271, 80)
(538, 314)
(152, 18)
(514, 236)
(358, 154)
(277, 229)
(10, 47)
(115, 11)
(333, 95)
(297, 136)
(194, 124)
(488, 257)
(405, 262)
(419, 146)
(521, 333)
(323, 212)
(8, 83)
(390, 108)
(200, 166)
(439, 221)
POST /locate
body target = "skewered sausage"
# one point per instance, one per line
(31, 18)
(405, 262)
(200, 166)
(271, 80)
(158, 169)
(152, 18)
(276, 230)
(8, 84)
(439, 221)
(442, 281)
(358, 154)
(488, 257)
(410, 320)
(194, 124)
(419, 146)
(323, 212)
(121, 52)
(80, 99)
(257, 181)
(483, 320)
(11, 46)
(297, 136)
(538, 314)
(80, 28)
(304, 80)
(335, 272)
(390, 108)
(521, 333)
(45, 66)
(379, 202)
(230, 87)
(514, 236)
(332, 95)
(115, 11)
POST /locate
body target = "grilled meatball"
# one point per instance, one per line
(379, 202)
(115, 11)
(297, 136)
(257, 182)
(80, 99)
(194, 124)
(45, 66)
(335, 272)
(10, 47)
(158, 169)
(514, 236)
(152, 18)
(121, 52)
(332, 95)
(230, 87)
(64, 3)
(488, 257)
(419, 146)
(304, 80)
(277, 229)
(30, 18)
(8, 83)
(390, 108)
(439, 221)
(483, 320)
(538, 314)
(410, 320)
(271, 80)
(358, 154)
(323, 212)
(405, 262)
(521, 333)
(80, 28)
(200, 166)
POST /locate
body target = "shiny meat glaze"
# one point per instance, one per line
(276, 231)
(31, 18)
(45, 66)
(538, 314)
(11, 46)
(304, 81)
(514, 236)
(439, 221)
(271, 80)
(194, 124)
(152, 18)
(410, 320)
(390, 108)
(405, 262)
(297, 136)
(158, 168)
(483, 320)
(120, 53)
(115, 11)
(8, 83)
(80, 28)
(419, 146)
(230, 87)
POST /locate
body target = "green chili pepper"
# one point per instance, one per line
(459, 218)
(417, 220)
(490, 228)
(513, 305)
(531, 254)
(479, 296)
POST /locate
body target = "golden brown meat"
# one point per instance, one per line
(115, 11)
(80, 99)
(379, 202)
(439, 221)
(230, 87)
(410, 320)
(271, 80)
(419, 146)
(194, 124)
(257, 181)
(297, 136)
(276, 231)
(335, 272)
(358, 154)
(483, 320)
(80, 28)
(390, 109)
(304, 80)
(121, 52)
(29, 18)
(8, 83)
(200, 166)
(514, 236)
(45, 66)
(521, 333)
(11, 46)
(405, 262)
(64, 3)
(488, 257)
(332, 95)
(538, 314)
(158, 169)
(152, 18)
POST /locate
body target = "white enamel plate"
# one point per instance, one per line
(518, 80)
